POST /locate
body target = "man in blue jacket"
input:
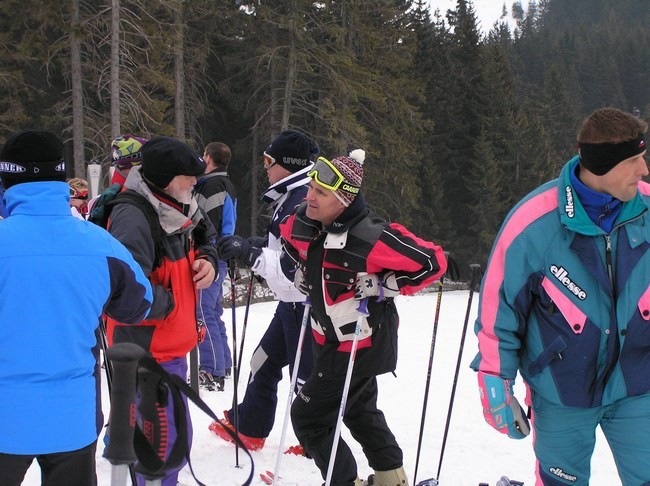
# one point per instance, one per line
(565, 302)
(216, 195)
(50, 407)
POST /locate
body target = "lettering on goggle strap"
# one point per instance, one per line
(348, 188)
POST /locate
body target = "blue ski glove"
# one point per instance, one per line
(500, 408)
(237, 247)
(372, 284)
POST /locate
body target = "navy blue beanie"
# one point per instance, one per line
(292, 150)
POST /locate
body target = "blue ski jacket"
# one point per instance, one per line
(58, 274)
(567, 304)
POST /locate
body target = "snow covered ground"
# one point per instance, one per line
(474, 452)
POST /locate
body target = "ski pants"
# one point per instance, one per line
(564, 440)
(177, 366)
(314, 414)
(214, 353)
(276, 349)
(73, 468)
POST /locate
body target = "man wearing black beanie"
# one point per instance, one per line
(565, 303)
(178, 257)
(287, 160)
(49, 376)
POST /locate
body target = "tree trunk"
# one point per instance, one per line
(77, 95)
(291, 76)
(254, 172)
(179, 102)
(115, 68)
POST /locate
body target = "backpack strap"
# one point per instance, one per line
(149, 462)
(100, 211)
(131, 197)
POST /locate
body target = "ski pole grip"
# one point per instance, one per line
(124, 358)
(476, 275)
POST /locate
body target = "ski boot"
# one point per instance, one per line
(251, 443)
(210, 382)
(394, 477)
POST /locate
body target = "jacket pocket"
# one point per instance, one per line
(644, 305)
(554, 351)
(574, 316)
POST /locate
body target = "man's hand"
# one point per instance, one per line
(203, 273)
(372, 284)
(500, 408)
(236, 247)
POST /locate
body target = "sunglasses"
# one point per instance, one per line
(268, 161)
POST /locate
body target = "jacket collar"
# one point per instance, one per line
(171, 219)
(38, 199)
(277, 190)
(572, 211)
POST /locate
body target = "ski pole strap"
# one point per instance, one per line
(124, 358)
(149, 462)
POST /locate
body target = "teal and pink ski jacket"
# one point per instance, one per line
(564, 303)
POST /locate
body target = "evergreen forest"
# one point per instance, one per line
(458, 120)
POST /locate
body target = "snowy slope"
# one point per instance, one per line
(474, 451)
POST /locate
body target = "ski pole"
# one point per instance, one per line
(249, 294)
(119, 451)
(108, 369)
(294, 380)
(232, 267)
(475, 281)
(452, 273)
(363, 312)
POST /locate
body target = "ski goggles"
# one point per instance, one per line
(78, 194)
(328, 176)
(268, 161)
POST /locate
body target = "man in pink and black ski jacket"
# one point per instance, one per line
(344, 254)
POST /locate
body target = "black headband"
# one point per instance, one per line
(600, 158)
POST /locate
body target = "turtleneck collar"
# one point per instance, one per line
(602, 209)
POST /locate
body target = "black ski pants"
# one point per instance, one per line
(74, 468)
(314, 414)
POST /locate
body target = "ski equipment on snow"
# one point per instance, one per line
(474, 286)
(452, 274)
(363, 313)
(294, 380)
(120, 453)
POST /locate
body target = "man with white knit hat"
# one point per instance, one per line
(344, 254)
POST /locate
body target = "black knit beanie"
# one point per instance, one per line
(292, 150)
(163, 158)
(31, 156)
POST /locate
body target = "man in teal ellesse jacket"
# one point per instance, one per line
(565, 302)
